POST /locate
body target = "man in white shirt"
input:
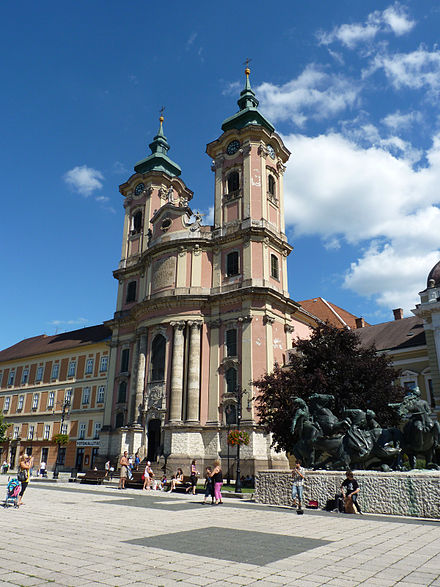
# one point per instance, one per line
(298, 475)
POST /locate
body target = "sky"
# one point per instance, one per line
(351, 86)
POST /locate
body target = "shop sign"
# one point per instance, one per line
(83, 443)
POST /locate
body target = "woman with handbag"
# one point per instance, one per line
(24, 467)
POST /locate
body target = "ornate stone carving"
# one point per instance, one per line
(281, 168)
(195, 324)
(180, 325)
(218, 163)
(244, 319)
(288, 328)
(164, 273)
(128, 200)
(197, 250)
(155, 397)
(245, 150)
(214, 323)
(268, 319)
(182, 251)
(163, 192)
(272, 199)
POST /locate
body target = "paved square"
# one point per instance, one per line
(255, 548)
(71, 534)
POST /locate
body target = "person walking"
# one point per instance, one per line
(24, 467)
(209, 486)
(193, 478)
(298, 476)
(148, 476)
(107, 469)
(123, 463)
(350, 490)
(217, 477)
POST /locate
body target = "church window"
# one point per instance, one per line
(125, 357)
(137, 222)
(274, 268)
(122, 392)
(119, 420)
(233, 182)
(232, 264)
(231, 380)
(158, 358)
(231, 342)
(131, 291)
(271, 185)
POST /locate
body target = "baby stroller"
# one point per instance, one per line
(12, 491)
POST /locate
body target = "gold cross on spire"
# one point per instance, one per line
(161, 113)
(247, 70)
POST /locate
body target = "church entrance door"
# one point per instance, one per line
(153, 439)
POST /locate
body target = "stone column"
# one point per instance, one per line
(193, 399)
(140, 375)
(213, 390)
(177, 373)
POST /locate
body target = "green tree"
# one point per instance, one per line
(3, 427)
(331, 361)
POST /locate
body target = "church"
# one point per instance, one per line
(202, 311)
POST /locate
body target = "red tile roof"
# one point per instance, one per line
(38, 345)
(326, 311)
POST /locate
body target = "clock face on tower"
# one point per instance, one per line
(232, 147)
(139, 189)
(271, 151)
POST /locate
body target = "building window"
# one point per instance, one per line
(46, 432)
(64, 429)
(158, 347)
(62, 455)
(16, 432)
(39, 375)
(103, 366)
(232, 264)
(122, 392)
(68, 396)
(35, 401)
(25, 376)
(231, 414)
(20, 403)
(89, 367)
(231, 380)
(96, 430)
(7, 404)
(231, 342)
(271, 185)
(72, 369)
(131, 292)
(136, 222)
(125, 357)
(82, 431)
(233, 182)
(119, 420)
(11, 377)
(86, 395)
(51, 401)
(55, 371)
(274, 268)
(101, 395)
(31, 432)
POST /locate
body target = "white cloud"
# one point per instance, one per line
(313, 94)
(416, 70)
(393, 19)
(68, 322)
(398, 121)
(209, 219)
(368, 197)
(84, 180)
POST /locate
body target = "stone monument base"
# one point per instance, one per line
(416, 493)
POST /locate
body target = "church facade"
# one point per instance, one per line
(202, 311)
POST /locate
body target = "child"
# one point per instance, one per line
(209, 485)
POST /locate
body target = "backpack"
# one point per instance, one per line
(22, 475)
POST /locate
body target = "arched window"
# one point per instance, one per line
(271, 185)
(232, 264)
(131, 292)
(137, 222)
(274, 269)
(158, 358)
(233, 182)
(122, 392)
(119, 420)
(231, 380)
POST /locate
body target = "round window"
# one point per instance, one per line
(166, 223)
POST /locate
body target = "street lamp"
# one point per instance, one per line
(64, 412)
(238, 393)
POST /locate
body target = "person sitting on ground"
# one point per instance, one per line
(178, 479)
(350, 490)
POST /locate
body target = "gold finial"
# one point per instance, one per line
(247, 70)
(161, 118)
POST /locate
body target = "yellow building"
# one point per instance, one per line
(53, 385)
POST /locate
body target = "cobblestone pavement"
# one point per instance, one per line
(71, 534)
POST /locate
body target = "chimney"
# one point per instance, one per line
(360, 322)
(398, 314)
